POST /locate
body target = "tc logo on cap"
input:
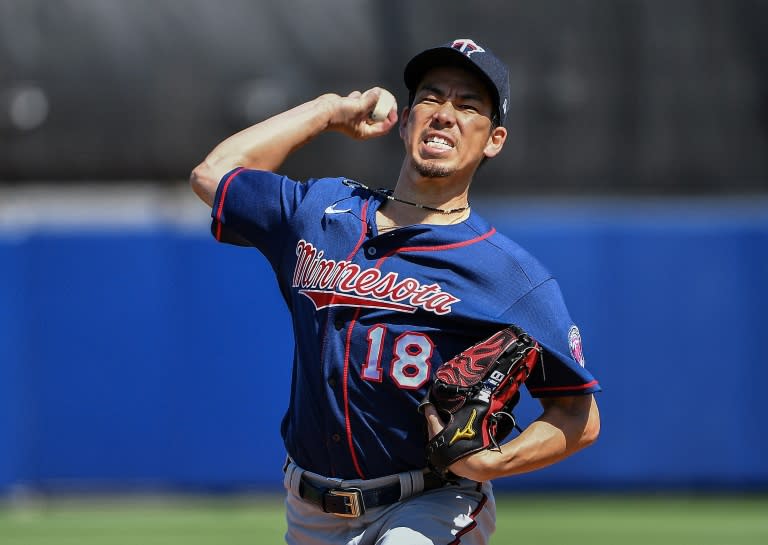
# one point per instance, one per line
(467, 47)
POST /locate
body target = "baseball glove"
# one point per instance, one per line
(475, 392)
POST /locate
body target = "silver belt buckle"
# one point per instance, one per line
(353, 499)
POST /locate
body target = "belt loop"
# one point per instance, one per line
(411, 482)
(293, 478)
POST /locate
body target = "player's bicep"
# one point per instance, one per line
(576, 416)
(575, 406)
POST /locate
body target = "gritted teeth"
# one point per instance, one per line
(438, 141)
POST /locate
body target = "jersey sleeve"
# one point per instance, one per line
(562, 372)
(252, 208)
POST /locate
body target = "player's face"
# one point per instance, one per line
(448, 128)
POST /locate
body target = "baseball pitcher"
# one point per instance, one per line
(416, 323)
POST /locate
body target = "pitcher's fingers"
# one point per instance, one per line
(434, 423)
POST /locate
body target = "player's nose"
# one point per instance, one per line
(445, 114)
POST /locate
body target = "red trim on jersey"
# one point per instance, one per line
(472, 525)
(220, 209)
(441, 247)
(363, 231)
(347, 347)
(347, 420)
(563, 388)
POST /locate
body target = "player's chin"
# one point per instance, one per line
(433, 169)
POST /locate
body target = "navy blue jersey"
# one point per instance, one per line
(374, 315)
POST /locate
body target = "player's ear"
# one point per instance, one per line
(404, 121)
(495, 141)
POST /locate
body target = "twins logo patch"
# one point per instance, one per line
(574, 342)
(467, 47)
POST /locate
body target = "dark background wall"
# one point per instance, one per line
(609, 96)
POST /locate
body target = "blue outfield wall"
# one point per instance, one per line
(154, 357)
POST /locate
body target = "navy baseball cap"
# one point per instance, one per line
(467, 53)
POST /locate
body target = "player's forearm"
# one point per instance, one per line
(559, 432)
(565, 426)
(264, 146)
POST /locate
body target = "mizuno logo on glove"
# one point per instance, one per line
(467, 432)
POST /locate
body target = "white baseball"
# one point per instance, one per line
(384, 105)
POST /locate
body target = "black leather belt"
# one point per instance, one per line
(352, 502)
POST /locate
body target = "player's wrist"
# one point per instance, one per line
(329, 107)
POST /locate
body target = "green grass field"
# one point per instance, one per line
(522, 520)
